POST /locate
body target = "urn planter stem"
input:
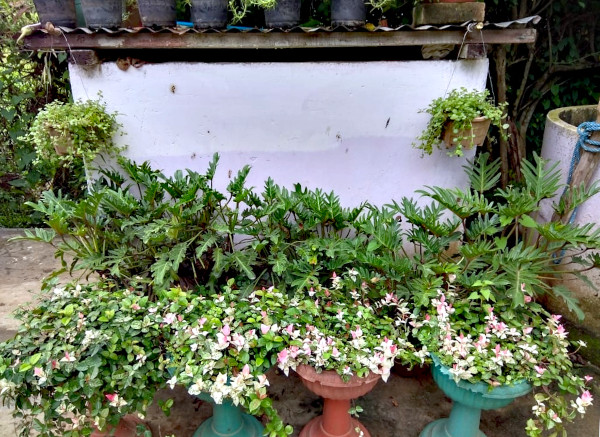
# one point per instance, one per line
(228, 421)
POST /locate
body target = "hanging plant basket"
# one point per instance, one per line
(470, 137)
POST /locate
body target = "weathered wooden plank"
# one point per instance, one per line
(273, 40)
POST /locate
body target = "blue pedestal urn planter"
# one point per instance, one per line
(228, 421)
(468, 401)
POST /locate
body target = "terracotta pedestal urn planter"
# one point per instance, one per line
(337, 394)
(468, 401)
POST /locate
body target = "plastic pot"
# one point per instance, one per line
(102, 13)
(286, 13)
(157, 12)
(209, 13)
(348, 13)
(57, 12)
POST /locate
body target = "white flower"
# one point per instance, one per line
(196, 388)
(172, 382)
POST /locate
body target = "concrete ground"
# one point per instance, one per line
(400, 408)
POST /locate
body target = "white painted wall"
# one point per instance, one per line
(346, 127)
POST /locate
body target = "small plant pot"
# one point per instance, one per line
(468, 401)
(127, 427)
(102, 13)
(57, 12)
(478, 132)
(209, 13)
(337, 394)
(350, 13)
(286, 13)
(157, 12)
(64, 143)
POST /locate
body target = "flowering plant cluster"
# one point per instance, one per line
(83, 358)
(353, 327)
(223, 345)
(500, 346)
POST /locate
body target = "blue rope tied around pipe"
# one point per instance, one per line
(585, 142)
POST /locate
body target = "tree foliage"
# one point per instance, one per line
(562, 68)
(27, 82)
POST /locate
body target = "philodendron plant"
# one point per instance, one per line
(482, 261)
(181, 230)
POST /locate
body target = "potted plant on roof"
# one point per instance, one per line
(341, 340)
(84, 357)
(220, 347)
(460, 120)
(481, 263)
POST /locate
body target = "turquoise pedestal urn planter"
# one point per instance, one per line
(228, 421)
(468, 401)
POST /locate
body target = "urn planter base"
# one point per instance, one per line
(439, 428)
(314, 428)
(228, 420)
(248, 427)
(468, 402)
(337, 394)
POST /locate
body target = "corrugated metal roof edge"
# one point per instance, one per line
(522, 22)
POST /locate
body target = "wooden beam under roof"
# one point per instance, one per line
(272, 40)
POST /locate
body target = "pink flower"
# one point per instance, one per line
(282, 356)
(169, 318)
(527, 299)
(111, 397)
(588, 378)
(540, 370)
(356, 333)
(135, 307)
(289, 329)
(264, 328)
(246, 370)
(527, 330)
(202, 321)
(38, 371)
(226, 330)
(586, 398)
(68, 358)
